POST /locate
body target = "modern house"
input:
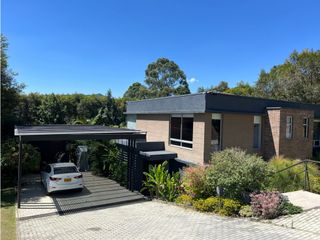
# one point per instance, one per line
(196, 125)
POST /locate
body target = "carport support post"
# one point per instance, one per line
(19, 172)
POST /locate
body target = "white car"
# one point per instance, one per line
(61, 176)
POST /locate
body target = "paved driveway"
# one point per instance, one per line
(151, 220)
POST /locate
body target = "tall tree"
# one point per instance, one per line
(297, 79)
(136, 91)
(242, 89)
(52, 110)
(221, 87)
(10, 91)
(165, 78)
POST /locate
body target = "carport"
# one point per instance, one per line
(58, 132)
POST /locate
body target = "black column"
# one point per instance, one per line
(19, 172)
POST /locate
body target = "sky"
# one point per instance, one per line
(91, 46)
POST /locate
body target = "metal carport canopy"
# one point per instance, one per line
(63, 132)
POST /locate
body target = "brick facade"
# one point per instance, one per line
(274, 134)
(237, 131)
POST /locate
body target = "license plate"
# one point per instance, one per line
(67, 180)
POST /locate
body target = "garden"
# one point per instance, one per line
(233, 184)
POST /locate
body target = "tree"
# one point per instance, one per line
(297, 79)
(242, 89)
(136, 91)
(110, 115)
(10, 91)
(51, 110)
(221, 87)
(165, 78)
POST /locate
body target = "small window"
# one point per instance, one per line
(62, 170)
(181, 130)
(289, 129)
(257, 132)
(306, 128)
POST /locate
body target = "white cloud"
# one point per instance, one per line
(193, 80)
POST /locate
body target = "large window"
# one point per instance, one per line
(316, 133)
(289, 128)
(306, 128)
(181, 130)
(257, 132)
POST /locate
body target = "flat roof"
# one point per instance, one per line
(212, 102)
(73, 132)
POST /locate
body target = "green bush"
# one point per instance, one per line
(10, 158)
(315, 184)
(230, 207)
(161, 184)
(291, 179)
(194, 182)
(246, 211)
(105, 161)
(287, 208)
(237, 173)
(222, 206)
(213, 204)
(199, 205)
(184, 199)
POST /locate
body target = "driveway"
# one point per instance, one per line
(151, 220)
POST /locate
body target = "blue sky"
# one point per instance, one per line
(90, 46)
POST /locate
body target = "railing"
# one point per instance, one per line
(306, 184)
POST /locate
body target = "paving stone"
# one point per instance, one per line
(153, 220)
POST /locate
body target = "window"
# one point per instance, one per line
(289, 130)
(316, 133)
(306, 128)
(256, 132)
(181, 130)
(131, 121)
(216, 124)
(62, 170)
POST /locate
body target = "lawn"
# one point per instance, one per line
(8, 214)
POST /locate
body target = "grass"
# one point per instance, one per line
(8, 214)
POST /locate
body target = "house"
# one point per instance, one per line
(195, 125)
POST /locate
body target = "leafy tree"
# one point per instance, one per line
(51, 110)
(110, 114)
(297, 79)
(221, 87)
(10, 91)
(242, 89)
(165, 78)
(136, 91)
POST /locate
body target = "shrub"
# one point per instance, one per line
(266, 205)
(246, 211)
(104, 157)
(222, 206)
(194, 182)
(199, 205)
(10, 158)
(315, 184)
(287, 208)
(161, 184)
(230, 207)
(237, 173)
(213, 204)
(184, 199)
(291, 179)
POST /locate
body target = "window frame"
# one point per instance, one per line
(306, 127)
(181, 141)
(289, 126)
(257, 121)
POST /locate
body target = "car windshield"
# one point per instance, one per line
(61, 170)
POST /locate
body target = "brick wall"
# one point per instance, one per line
(274, 134)
(158, 129)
